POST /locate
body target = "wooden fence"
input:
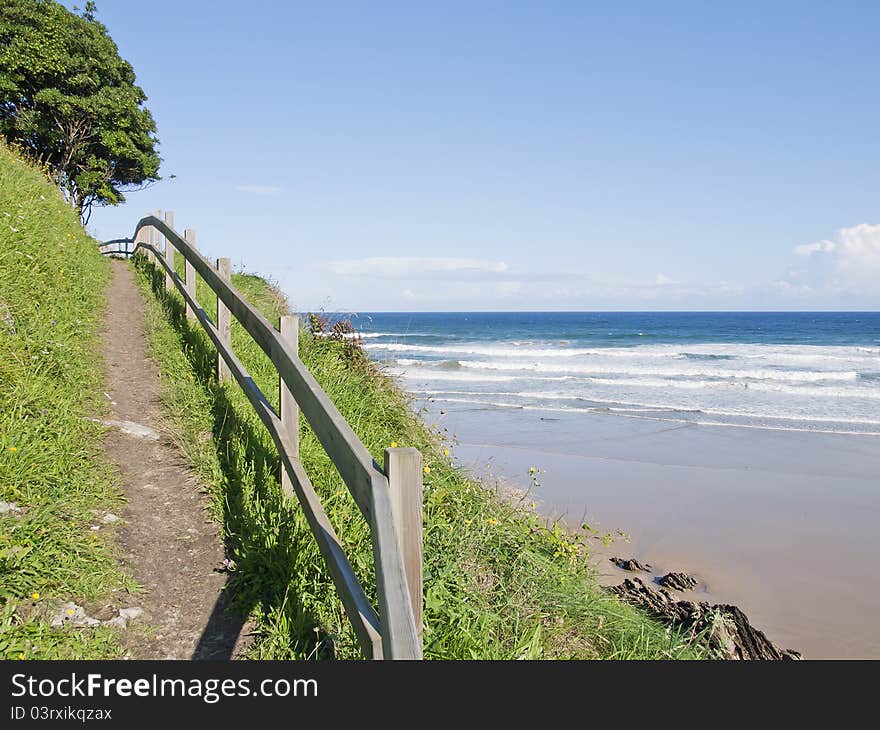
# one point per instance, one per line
(389, 496)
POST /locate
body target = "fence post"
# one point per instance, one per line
(169, 252)
(404, 470)
(289, 410)
(189, 236)
(142, 237)
(224, 323)
(155, 236)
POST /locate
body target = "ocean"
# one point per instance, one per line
(740, 448)
(800, 371)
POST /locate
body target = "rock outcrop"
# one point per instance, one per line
(631, 564)
(678, 582)
(725, 629)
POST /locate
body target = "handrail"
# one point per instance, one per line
(396, 636)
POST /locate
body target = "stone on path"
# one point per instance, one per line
(126, 616)
(131, 428)
(10, 508)
(70, 614)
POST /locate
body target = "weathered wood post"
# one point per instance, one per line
(143, 237)
(404, 470)
(189, 236)
(169, 252)
(155, 236)
(147, 238)
(289, 410)
(224, 322)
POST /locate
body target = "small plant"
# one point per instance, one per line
(565, 545)
(318, 324)
(342, 331)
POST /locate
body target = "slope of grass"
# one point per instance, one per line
(52, 280)
(499, 584)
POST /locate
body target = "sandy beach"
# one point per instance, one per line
(781, 523)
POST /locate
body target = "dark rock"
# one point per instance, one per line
(744, 641)
(725, 629)
(659, 602)
(632, 565)
(678, 582)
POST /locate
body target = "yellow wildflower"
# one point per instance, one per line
(394, 444)
(35, 596)
(427, 470)
(445, 452)
(13, 449)
(21, 656)
(492, 521)
(467, 522)
(70, 612)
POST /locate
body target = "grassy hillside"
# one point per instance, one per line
(51, 472)
(499, 584)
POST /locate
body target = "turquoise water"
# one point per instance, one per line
(795, 371)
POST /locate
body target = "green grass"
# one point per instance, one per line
(52, 282)
(499, 582)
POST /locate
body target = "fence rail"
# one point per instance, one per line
(389, 496)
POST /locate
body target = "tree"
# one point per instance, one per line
(71, 102)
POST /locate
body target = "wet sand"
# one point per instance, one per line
(781, 523)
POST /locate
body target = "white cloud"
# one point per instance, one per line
(258, 189)
(860, 248)
(850, 263)
(842, 271)
(805, 249)
(402, 266)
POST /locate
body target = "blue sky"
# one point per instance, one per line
(502, 156)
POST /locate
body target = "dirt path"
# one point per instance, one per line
(170, 544)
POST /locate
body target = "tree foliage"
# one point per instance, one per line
(69, 100)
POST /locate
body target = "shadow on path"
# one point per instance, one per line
(260, 528)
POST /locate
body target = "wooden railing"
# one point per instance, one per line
(389, 498)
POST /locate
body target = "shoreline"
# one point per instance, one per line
(673, 597)
(772, 521)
